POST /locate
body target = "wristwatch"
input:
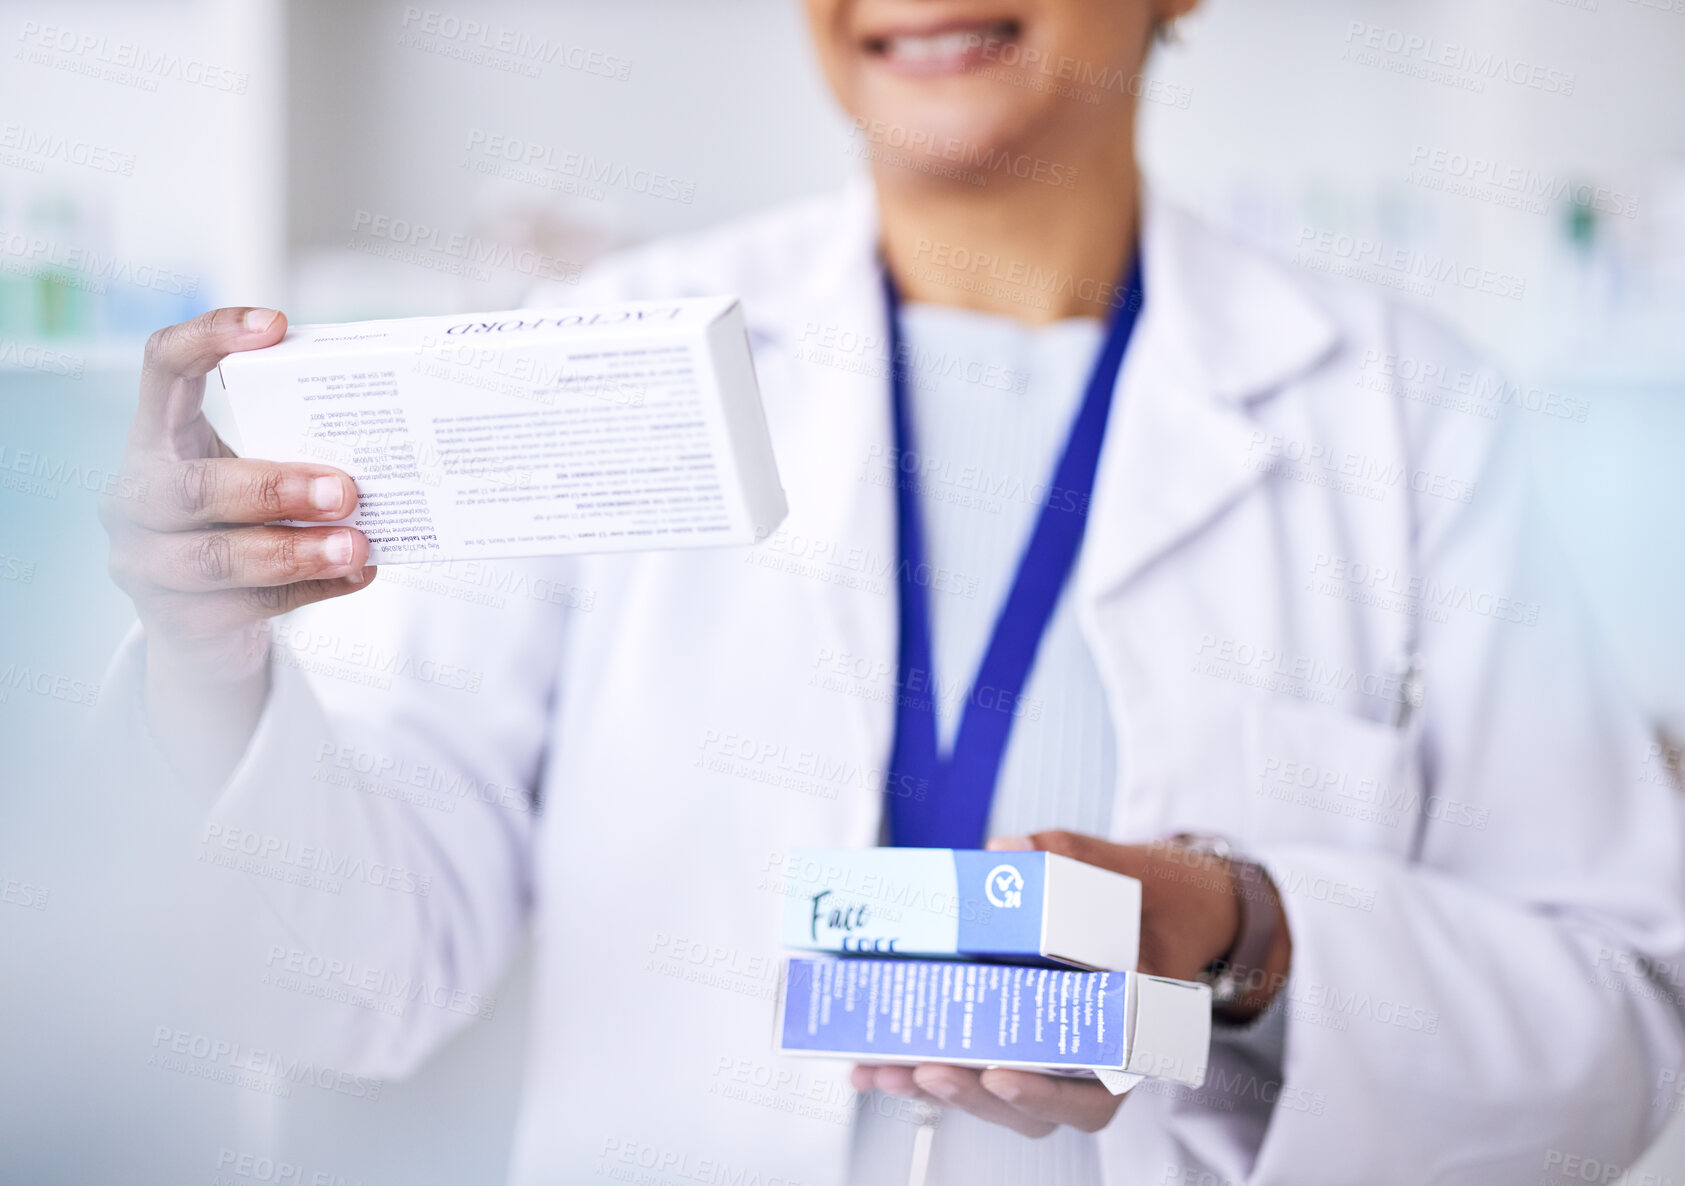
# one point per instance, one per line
(1233, 974)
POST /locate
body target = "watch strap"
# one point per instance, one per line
(1256, 933)
(1233, 974)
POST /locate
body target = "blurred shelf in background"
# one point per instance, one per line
(141, 170)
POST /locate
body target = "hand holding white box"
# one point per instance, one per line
(532, 432)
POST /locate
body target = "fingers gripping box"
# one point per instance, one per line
(934, 902)
(526, 433)
(1117, 1026)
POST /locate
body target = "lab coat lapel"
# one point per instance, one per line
(1221, 330)
(833, 336)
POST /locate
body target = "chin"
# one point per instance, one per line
(949, 121)
(935, 84)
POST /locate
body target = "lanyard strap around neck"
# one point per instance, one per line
(958, 788)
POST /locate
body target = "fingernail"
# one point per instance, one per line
(336, 549)
(1009, 844)
(326, 494)
(1005, 1091)
(258, 320)
(942, 1089)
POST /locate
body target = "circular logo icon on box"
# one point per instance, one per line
(1004, 887)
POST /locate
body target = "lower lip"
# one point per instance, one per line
(983, 44)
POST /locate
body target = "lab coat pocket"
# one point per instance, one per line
(1314, 774)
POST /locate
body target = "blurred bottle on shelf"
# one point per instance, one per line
(62, 243)
(63, 278)
(17, 313)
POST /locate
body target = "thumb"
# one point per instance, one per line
(177, 359)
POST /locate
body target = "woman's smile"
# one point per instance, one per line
(950, 47)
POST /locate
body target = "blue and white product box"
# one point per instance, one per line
(1117, 1026)
(945, 902)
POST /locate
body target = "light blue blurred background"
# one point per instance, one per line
(130, 198)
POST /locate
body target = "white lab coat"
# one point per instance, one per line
(1468, 893)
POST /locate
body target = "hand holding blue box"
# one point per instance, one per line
(937, 902)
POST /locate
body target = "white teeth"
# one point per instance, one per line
(941, 45)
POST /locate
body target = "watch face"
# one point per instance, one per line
(1222, 981)
(1203, 842)
(1225, 990)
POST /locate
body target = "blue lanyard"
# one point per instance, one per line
(958, 788)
